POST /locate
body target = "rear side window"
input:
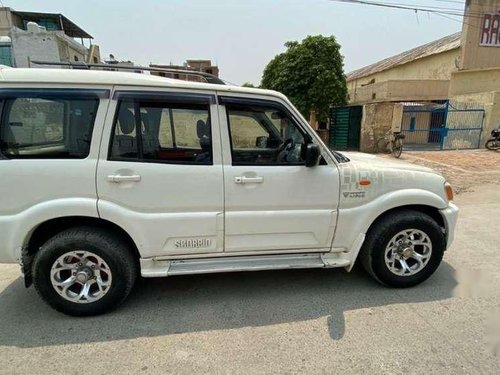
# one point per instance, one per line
(47, 127)
(163, 132)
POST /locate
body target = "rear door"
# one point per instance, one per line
(160, 174)
(273, 202)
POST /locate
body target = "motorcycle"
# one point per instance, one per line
(494, 142)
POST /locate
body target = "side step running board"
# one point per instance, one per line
(160, 268)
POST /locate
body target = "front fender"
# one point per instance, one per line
(356, 220)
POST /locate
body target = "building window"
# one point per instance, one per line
(76, 58)
(49, 23)
(6, 55)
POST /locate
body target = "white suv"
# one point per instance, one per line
(109, 175)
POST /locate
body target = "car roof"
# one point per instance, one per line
(102, 77)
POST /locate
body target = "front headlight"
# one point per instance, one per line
(448, 191)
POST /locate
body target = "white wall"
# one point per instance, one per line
(36, 46)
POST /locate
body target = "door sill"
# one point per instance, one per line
(161, 268)
(233, 254)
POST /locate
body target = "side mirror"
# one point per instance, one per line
(312, 155)
(261, 142)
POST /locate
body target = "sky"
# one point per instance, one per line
(240, 36)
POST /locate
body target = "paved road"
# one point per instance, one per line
(291, 321)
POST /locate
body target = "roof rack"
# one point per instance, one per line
(209, 78)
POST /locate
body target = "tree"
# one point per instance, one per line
(248, 84)
(310, 73)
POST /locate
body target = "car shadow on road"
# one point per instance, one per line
(158, 307)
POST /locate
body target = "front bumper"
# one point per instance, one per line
(450, 216)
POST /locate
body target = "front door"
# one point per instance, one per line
(273, 202)
(160, 173)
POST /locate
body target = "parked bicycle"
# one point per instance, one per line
(494, 142)
(393, 143)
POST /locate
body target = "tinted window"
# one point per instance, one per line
(52, 127)
(261, 135)
(169, 132)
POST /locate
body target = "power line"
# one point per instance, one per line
(426, 7)
(448, 13)
(435, 10)
(400, 6)
(430, 6)
(458, 21)
(450, 1)
(416, 8)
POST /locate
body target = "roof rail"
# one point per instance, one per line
(209, 78)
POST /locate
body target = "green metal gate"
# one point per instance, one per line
(345, 126)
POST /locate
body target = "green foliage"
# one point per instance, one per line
(248, 84)
(310, 73)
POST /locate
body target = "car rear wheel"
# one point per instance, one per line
(84, 271)
(403, 249)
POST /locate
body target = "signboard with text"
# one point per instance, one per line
(490, 30)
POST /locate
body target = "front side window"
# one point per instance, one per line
(50, 127)
(168, 132)
(264, 135)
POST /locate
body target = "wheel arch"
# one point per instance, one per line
(49, 228)
(431, 211)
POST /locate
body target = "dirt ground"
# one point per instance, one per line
(464, 169)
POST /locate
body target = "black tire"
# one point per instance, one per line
(493, 144)
(111, 248)
(372, 253)
(397, 148)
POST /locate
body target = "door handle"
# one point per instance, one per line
(248, 180)
(119, 178)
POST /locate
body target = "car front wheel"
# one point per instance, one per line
(403, 249)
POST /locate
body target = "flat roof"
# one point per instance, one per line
(70, 28)
(103, 77)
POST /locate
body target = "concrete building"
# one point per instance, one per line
(421, 73)
(204, 66)
(442, 95)
(30, 36)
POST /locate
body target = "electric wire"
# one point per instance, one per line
(416, 8)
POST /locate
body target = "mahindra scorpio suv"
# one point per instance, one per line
(107, 176)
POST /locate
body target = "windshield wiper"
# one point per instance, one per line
(340, 157)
